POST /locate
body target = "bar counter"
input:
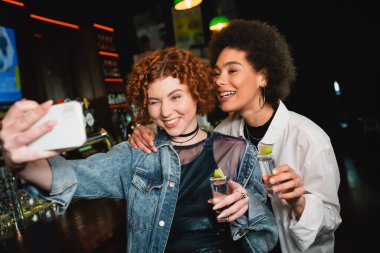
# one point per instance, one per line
(87, 226)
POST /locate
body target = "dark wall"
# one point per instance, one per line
(58, 62)
(331, 41)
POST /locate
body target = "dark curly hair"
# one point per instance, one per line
(178, 63)
(266, 49)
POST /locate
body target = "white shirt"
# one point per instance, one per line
(304, 146)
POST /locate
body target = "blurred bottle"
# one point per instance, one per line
(11, 215)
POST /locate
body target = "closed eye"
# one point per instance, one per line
(231, 71)
(215, 74)
(176, 97)
(153, 102)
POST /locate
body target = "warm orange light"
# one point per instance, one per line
(19, 236)
(108, 54)
(118, 106)
(57, 22)
(118, 80)
(14, 2)
(104, 27)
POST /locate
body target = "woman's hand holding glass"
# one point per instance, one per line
(291, 186)
(235, 204)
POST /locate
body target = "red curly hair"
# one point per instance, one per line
(177, 63)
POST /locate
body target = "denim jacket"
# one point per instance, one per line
(150, 183)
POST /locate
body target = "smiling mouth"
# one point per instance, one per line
(227, 94)
(170, 123)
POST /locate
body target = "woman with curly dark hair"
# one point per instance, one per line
(171, 207)
(254, 71)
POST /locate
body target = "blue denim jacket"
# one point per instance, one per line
(150, 183)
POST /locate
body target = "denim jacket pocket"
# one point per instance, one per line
(144, 198)
(146, 181)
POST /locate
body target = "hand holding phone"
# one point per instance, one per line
(69, 132)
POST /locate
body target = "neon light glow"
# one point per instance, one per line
(108, 54)
(14, 2)
(119, 80)
(104, 27)
(53, 21)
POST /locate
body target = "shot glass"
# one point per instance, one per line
(267, 164)
(219, 187)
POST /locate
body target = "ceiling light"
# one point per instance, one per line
(185, 4)
(219, 22)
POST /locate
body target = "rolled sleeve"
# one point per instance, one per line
(63, 186)
(320, 217)
(242, 225)
(258, 225)
(63, 175)
(305, 230)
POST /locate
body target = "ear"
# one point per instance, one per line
(263, 77)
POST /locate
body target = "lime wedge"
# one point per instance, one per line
(218, 173)
(265, 149)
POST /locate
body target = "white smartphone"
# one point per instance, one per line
(69, 132)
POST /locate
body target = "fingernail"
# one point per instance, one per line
(47, 104)
(51, 123)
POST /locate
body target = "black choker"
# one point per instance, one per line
(194, 133)
(191, 133)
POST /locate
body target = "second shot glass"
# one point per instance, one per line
(267, 164)
(219, 187)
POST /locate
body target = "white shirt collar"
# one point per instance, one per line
(279, 122)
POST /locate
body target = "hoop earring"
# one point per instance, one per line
(262, 91)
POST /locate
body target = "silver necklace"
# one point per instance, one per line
(250, 136)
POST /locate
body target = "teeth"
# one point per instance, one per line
(171, 121)
(226, 93)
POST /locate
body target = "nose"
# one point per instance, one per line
(220, 79)
(166, 109)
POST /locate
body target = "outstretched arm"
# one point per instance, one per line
(15, 136)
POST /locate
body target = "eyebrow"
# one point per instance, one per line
(228, 63)
(171, 93)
